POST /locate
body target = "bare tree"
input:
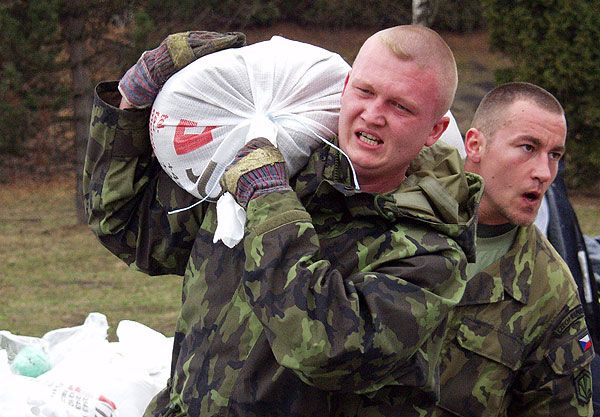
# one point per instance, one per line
(84, 28)
(73, 24)
(424, 11)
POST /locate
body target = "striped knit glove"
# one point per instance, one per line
(258, 168)
(142, 82)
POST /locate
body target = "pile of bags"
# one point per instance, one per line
(77, 372)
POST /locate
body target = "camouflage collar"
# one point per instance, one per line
(511, 275)
(517, 266)
(437, 191)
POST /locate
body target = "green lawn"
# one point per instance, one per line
(54, 272)
(588, 213)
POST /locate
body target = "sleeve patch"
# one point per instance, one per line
(583, 386)
(585, 343)
(572, 316)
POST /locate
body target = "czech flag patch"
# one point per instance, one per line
(585, 343)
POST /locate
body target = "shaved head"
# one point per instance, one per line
(515, 143)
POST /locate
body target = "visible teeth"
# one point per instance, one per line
(370, 139)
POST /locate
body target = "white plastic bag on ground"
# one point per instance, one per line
(90, 336)
(90, 377)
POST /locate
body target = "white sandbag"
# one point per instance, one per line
(280, 89)
(283, 90)
(452, 135)
(286, 91)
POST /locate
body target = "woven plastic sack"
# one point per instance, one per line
(284, 90)
(453, 137)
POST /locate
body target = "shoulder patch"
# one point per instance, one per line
(572, 316)
(583, 386)
(585, 343)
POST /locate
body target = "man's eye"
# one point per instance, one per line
(399, 106)
(527, 147)
(555, 156)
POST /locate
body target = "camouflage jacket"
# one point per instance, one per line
(332, 295)
(516, 345)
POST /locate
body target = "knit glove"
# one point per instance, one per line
(257, 169)
(142, 82)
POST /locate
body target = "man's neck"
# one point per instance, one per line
(493, 230)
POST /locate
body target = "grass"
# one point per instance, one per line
(54, 272)
(588, 213)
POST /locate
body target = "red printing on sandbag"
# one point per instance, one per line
(185, 143)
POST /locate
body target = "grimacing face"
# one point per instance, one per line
(387, 115)
(518, 162)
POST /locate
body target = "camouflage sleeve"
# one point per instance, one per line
(556, 378)
(358, 332)
(127, 195)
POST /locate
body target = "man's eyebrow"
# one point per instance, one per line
(410, 105)
(537, 142)
(359, 79)
(533, 139)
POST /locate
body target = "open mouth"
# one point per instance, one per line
(368, 139)
(532, 196)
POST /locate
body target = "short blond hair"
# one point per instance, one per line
(429, 50)
(490, 112)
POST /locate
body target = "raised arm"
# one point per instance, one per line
(128, 195)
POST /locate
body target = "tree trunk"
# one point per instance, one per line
(423, 12)
(73, 25)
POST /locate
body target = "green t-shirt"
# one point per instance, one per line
(492, 243)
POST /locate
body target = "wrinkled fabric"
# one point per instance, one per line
(334, 295)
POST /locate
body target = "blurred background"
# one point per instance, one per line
(53, 272)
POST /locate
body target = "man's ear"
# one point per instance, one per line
(346, 82)
(474, 145)
(437, 130)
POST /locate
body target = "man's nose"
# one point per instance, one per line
(543, 170)
(373, 113)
